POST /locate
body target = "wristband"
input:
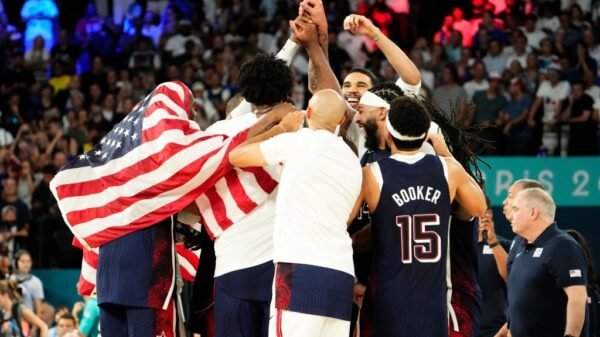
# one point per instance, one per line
(288, 52)
(494, 244)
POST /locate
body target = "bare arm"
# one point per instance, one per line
(577, 298)
(534, 108)
(31, 318)
(271, 119)
(585, 116)
(323, 77)
(503, 332)
(486, 223)
(360, 201)
(313, 11)
(248, 154)
(468, 193)
(401, 63)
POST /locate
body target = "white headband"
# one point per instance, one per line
(370, 99)
(397, 135)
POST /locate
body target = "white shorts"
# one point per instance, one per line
(284, 323)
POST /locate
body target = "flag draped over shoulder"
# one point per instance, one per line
(149, 166)
(187, 259)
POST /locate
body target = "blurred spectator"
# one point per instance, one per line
(59, 80)
(572, 32)
(31, 283)
(547, 55)
(584, 63)
(65, 51)
(516, 130)
(37, 59)
(39, 17)
(381, 15)
(47, 313)
(427, 77)
(532, 32)
(495, 61)
(8, 226)
(578, 115)
(10, 198)
(151, 29)
(466, 28)
(445, 33)
(6, 138)
(478, 82)
(454, 47)
(518, 51)
(490, 108)
(591, 41)
(65, 325)
(90, 25)
(464, 65)
(15, 313)
(548, 22)
(558, 43)
(176, 44)
(90, 317)
(438, 62)
(549, 96)
(491, 26)
(450, 96)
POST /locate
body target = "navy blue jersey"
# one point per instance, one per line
(410, 240)
(538, 272)
(493, 288)
(466, 292)
(137, 269)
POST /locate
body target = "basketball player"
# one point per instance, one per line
(244, 252)
(409, 196)
(314, 274)
(359, 80)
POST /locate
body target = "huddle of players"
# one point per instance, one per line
(302, 226)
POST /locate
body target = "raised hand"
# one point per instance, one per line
(314, 10)
(360, 25)
(305, 33)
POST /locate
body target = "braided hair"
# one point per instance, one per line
(460, 140)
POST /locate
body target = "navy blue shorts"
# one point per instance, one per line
(240, 317)
(124, 321)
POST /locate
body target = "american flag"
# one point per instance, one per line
(236, 195)
(149, 166)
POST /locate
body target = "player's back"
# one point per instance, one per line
(318, 188)
(410, 234)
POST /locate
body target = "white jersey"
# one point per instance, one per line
(248, 242)
(320, 183)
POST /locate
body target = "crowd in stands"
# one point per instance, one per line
(527, 68)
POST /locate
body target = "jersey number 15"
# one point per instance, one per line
(415, 240)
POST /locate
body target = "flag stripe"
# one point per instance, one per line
(101, 205)
(239, 196)
(122, 178)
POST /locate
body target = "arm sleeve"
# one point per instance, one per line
(288, 52)
(37, 291)
(89, 319)
(280, 148)
(409, 89)
(568, 265)
(541, 90)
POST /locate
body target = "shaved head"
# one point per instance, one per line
(326, 109)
